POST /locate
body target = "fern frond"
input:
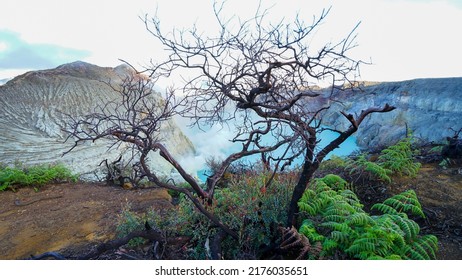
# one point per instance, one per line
(307, 228)
(393, 257)
(340, 237)
(421, 250)
(399, 158)
(398, 241)
(362, 245)
(389, 257)
(308, 195)
(350, 197)
(410, 228)
(406, 202)
(385, 209)
(334, 182)
(335, 218)
(410, 253)
(309, 202)
(374, 258)
(332, 210)
(427, 243)
(341, 208)
(327, 195)
(376, 170)
(360, 219)
(342, 227)
(320, 186)
(329, 245)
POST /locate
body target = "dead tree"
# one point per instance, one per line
(135, 118)
(263, 76)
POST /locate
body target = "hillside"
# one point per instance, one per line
(35, 108)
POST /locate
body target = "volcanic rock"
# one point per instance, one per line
(429, 108)
(35, 109)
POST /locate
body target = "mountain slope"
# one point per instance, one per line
(33, 109)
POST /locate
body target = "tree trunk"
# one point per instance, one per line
(307, 173)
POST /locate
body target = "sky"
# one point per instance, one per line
(403, 39)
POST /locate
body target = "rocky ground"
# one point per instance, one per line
(72, 218)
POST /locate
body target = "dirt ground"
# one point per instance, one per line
(74, 217)
(66, 217)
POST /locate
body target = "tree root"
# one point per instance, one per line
(48, 255)
(149, 233)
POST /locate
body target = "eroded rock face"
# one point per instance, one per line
(429, 107)
(34, 109)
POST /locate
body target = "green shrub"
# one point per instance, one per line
(129, 221)
(36, 176)
(246, 206)
(336, 219)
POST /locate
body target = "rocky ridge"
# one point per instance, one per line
(430, 108)
(33, 114)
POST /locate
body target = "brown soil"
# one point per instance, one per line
(71, 218)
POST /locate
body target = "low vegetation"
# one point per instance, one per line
(33, 176)
(336, 221)
(250, 208)
(396, 160)
(332, 221)
(399, 158)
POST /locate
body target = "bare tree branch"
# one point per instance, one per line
(264, 76)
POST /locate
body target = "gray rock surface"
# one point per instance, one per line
(429, 108)
(33, 109)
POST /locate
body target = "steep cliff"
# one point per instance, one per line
(34, 109)
(429, 107)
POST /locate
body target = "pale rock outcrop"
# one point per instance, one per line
(430, 108)
(33, 109)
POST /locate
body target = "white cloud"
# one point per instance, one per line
(18, 54)
(404, 38)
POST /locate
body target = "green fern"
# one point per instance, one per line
(399, 158)
(333, 162)
(329, 246)
(406, 202)
(427, 244)
(309, 231)
(361, 165)
(309, 203)
(334, 182)
(360, 219)
(338, 221)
